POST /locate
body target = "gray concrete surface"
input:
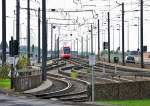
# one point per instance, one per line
(23, 101)
(45, 85)
(7, 100)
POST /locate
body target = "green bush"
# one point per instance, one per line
(4, 71)
(22, 63)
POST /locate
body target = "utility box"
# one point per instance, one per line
(116, 59)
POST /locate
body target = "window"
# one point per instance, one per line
(66, 50)
(130, 58)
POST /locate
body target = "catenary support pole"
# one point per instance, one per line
(98, 41)
(28, 29)
(12, 69)
(82, 46)
(123, 55)
(3, 32)
(141, 31)
(91, 39)
(44, 41)
(92, 75)
(39, 36)
(51, 41)
(87, 46)
(18, 22)
(108, 37)
(77, 48)
(74, 47)
(55, 46)
(58, 46)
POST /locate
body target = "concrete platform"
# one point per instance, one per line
(45, 85)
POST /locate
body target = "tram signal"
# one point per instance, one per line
(13, 47)
(144, 48)
(105, 45)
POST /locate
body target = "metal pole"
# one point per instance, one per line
(55, 46)
(91, 39)
(82, 46)
(141, 31)
(46, 27)
(12, 69)
(93, 94)
(138, 38)
(28, 29)
(92, 65)
(87, 45)
(113, 39)
(119, 35)
(98, 41)
(58, 41)
(123, 61)
(51, 40)
(3, 32)
(71, 48)
(77, 47)
(74, 47)
(14, 27)
(58, 46)
(102, 38)
(39, 34)
(108, 38)
(138, 33)
(128, 34)
(18, 21)
(44, 41)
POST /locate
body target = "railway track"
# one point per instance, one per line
(77, 92)
(107, 75)
(113, 69)
(64, 88)
(67, 89)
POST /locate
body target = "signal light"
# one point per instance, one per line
(13, 47)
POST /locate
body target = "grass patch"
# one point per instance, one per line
(144, 102)
(5, 83)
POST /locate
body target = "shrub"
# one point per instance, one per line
(4, 71)
(22, 63)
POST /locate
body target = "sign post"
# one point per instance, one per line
(11, 62)
(13, 51)
(92, 62)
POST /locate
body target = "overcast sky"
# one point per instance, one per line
(100, 7)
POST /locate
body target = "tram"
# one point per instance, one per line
(65, 52)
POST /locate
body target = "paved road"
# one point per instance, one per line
(7, 100)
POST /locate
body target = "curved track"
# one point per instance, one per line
(78, 91)
(64, 88)
(108, 73)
